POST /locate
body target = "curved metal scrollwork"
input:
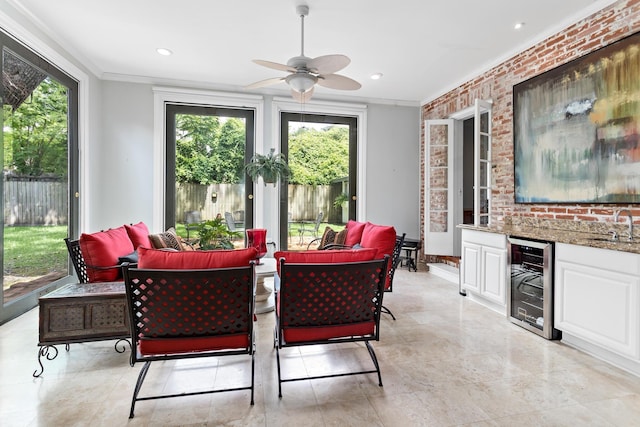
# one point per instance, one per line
(123, 347)
(48, 351)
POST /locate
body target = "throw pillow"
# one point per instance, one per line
(328, 237)
(139, 234)
(354, 232)
(168, 239)
(341, 237)
(102, 249)
(380, 237)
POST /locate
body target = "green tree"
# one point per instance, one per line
(36, 133)
(196, 138)
(208, 152)
(317, 157)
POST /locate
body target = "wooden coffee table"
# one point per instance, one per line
(82, 312)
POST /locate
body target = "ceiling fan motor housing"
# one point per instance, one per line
(299, 62)
(301, 81)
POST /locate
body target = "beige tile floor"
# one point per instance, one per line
(446, 361)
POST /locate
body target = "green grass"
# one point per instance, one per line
(34, 251)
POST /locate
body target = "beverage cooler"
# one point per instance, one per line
(530, 291)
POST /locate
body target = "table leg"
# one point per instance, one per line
(264, 295)
(48, 351)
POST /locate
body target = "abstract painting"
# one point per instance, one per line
(576, 129)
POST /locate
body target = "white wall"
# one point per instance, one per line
(123, 178)
(122, 174)
(393, 167)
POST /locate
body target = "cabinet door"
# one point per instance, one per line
(470, 274)
(494, 264)
(598, 305)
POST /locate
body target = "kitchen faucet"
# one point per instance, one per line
(615, 219)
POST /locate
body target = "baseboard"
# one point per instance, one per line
(445, 271)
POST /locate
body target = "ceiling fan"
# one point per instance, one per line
(306, 72)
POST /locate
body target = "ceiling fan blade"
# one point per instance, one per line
(302, 97)
(336, 81)
(275, 65)
(328, 64)
(266, 82)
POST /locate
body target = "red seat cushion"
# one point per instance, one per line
(325, 257)
(151, 346)
(354, 232)
(308, 334)
(139, 234)
(102, 249)
(194, 260)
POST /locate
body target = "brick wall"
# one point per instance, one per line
(617, 21)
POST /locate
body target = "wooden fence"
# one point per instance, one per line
(305, 201)
(35, 202)
(45, 202)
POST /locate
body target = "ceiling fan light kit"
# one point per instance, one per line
(306, 72)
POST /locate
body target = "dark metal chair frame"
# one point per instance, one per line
(220, 302)
(395, 261)
(79, 265)
(348, 293)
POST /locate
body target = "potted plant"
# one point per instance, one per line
(269, 166)
(214, 234)
(340, 203)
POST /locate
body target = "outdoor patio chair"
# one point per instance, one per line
(310, 227)
(192, 220)
(179, 314)
(330, 303)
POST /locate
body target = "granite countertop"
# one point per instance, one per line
(573, 237)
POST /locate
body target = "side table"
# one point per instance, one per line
(264, 272)
(82, 312)
(411, 248)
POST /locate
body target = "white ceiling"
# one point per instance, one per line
(423, 47)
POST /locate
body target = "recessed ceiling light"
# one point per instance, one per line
(376, 76)
(518, 25)
(163, 51)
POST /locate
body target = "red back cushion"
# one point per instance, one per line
(139, 234)
(380, 237)
(102, 249)
(194, 260)
(322, 257)
(354, 232)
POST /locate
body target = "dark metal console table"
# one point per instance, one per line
(82, 312)
(411, 247)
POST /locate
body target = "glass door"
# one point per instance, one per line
(322, 154)
(482, 163)
(207, 148)
(39, 180)
(441, 184)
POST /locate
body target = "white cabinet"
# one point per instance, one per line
(484, 266)
(597, 298)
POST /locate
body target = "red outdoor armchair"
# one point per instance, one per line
(329, 303)
(177, 314)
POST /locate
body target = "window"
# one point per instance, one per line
(40, 178)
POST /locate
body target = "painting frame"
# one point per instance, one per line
(576, 129)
